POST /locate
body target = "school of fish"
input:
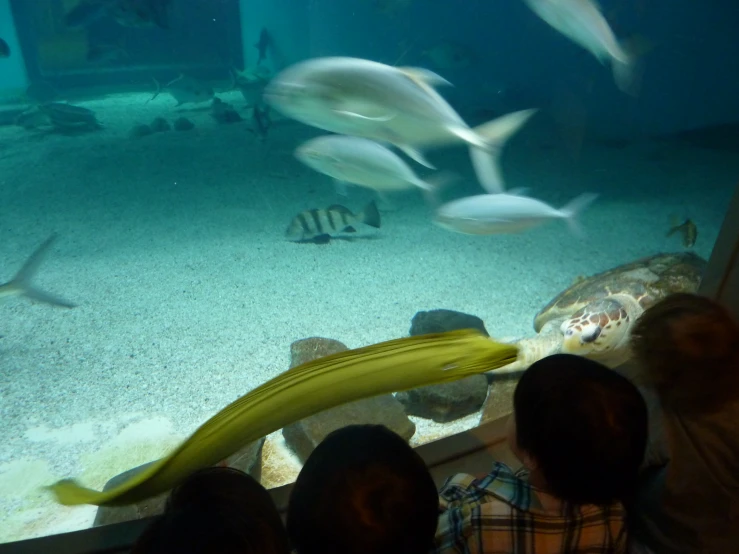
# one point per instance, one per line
(371, 108)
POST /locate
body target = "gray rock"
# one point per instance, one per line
(439, 321)
(499, 402)
(248, 459)
(312, 348)
(447, 401)
(302, 437)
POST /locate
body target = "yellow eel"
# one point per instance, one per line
(304, 390)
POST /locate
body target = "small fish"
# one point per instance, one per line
(20, 284)
(489, 214)
(319, 225)
(582, 22)
(264, 42)
(388, 104)
(4, 49)
(359, 161)
(688, 231)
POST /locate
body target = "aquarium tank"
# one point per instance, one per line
(198, 195)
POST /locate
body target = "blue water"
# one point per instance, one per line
(173, 246)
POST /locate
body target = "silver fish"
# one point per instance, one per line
(489, 214)
(359, 161)
(320, 225)
(20, 284)
(388, 104)
(582, 22)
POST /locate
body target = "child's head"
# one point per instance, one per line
(217, 509)
(581, 426)
(688, 347)
(363, 490)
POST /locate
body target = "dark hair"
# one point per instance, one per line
(217, 509)
(688, 347)
(363, 490)
(584, 424)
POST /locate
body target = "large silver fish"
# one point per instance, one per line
(489, 214)
(20, 284)
(582, 22)
(394, 105)
(359, 161)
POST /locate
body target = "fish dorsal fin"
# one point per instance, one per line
(339, 208)
(424, 77)
(415, 155)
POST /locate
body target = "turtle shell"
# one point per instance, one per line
(648, 280)
(69, 115)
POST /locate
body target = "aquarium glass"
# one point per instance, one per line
(169, 237)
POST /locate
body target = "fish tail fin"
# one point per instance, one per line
(157, 92)
(21, 282)
(433, 185)
(370, 215)
(573, 208)
(491, 138)
(629, 70)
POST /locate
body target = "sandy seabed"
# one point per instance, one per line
(189, 295)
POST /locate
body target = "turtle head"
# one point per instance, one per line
(597, 329)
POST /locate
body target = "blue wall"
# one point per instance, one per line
(691, 75)
(13, 80)
(287, 23)
(691, 79)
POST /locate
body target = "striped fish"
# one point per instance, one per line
(319, 225)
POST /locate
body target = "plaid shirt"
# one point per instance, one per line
(503, 513)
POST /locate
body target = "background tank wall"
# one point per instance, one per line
(690, 80)
(13, 79)
(287, 23)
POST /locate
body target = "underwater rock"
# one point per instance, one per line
(306, 350)
(159, 125)
(248, 460)
(303, 436)
(499, 402)
(183, 124)
(448, 401)
(439, 321)
(139, 131)
(223, 112)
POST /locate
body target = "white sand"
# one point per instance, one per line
(189, 296)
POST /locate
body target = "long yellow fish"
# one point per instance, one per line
(304, 390)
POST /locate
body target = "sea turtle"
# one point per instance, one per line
(69, 118)
(594, 316)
